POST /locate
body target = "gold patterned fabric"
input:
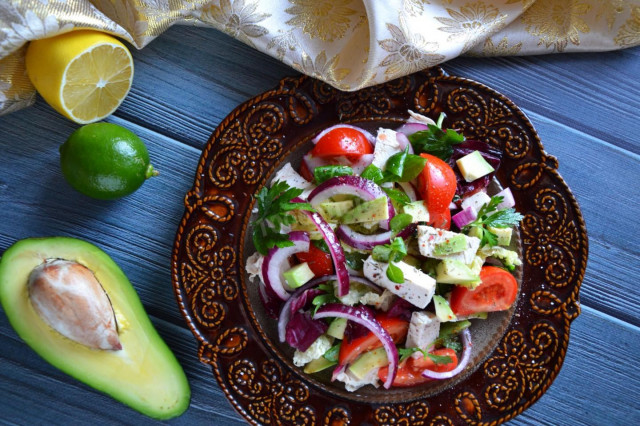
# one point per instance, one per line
(350, 44)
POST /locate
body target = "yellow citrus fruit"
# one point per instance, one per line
(84, 75)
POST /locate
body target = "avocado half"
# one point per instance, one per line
(144, 374)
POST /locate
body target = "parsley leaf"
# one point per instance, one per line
(323, 173)
(488, 216)
(436, 141)
(392, 252)
(273, 206)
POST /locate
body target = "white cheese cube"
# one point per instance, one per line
(476, 201)
(429, 238)
(423, 330)
(418, 288)
(315, 351)
(352, 383)
(380, 301)
(293, 178)
(386, 146)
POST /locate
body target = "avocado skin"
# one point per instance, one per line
(144, 375)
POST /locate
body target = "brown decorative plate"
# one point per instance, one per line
(516, 355)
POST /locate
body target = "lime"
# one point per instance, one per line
(105, 161)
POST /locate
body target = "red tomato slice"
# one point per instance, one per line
(441, 220)
(343, 141)
(350, 350)
(496, 293)
(319, 261)
(410, 371)
(437, 184)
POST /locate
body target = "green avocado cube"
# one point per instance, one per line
(503, 234)
(443, 310)
(298, 275)
(451, 271)
(368, 361)
(337, 327)
(452, 245)
(417, 210)
(332, 211)
(473, 166)
(369, 211)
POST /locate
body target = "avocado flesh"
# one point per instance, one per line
(144, 374)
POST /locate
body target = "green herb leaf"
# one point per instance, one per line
(323, 299)
(395, 274)
(439, 359)
(373, 173)
(413, 166)
(400, 221)
(395, 163)
(323, 173)
(398, 196)
(436, 141)
(355, 260)
(489, 217)
(392, 252)
(273, 206)
(321, 244)
(332, 353)
(405, 353)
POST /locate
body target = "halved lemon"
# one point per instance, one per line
(84, 75)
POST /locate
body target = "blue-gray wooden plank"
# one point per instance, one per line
(188, 80)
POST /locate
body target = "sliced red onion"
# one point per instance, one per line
(365, 317)
(453, 206)
(508, 200)
(335, 249)
(338, 371)
(368, 135)
(466, 355)
(410, 128)
(368, 242)
(408, 189)
(364, 281)
(403, 142)
(277, 262)
(465, 217)
(270, 300)
(350, 185)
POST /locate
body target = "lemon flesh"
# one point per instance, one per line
(84, 75)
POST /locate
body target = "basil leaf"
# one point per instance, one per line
(398, 196)
(323, 173)
(400, 221)
(332, 353)
(395, 163)
(395, 274)
(381, 253)
(373, 173)
(355, 260)
(413, 166)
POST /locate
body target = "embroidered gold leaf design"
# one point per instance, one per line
(321, 67)
(283, 43)
(500, 49)
(557, 23)
(239, 19)
(408, 51)
(327, 20)
(609, 9)
(414, 7)
(629, 33)
(473, 22)
(126, 14)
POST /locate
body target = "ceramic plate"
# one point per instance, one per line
(517, 354)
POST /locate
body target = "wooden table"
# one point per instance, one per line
(584, 106)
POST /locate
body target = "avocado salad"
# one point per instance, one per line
(375, 254)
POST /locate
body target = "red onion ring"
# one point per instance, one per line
(272, 267)
(410, 128)
(368, 242)
(466, 355)
(365, 317)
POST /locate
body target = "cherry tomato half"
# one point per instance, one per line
(320, 262)
(351, 349)
(343, 141)
(410, 371)
(440, 220)
(496, 293)
(437, 184)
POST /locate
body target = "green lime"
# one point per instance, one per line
(105, 161)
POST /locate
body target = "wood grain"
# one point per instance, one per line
(584, 107)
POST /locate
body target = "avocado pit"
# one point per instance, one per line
(69, 298)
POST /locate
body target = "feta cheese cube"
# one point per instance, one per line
(386, 145)
(293, 178)
(476, 200)
(315, 351)
(429, 238)
(352, 383)
(418, 288)
(380, 301)
(423, 330)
